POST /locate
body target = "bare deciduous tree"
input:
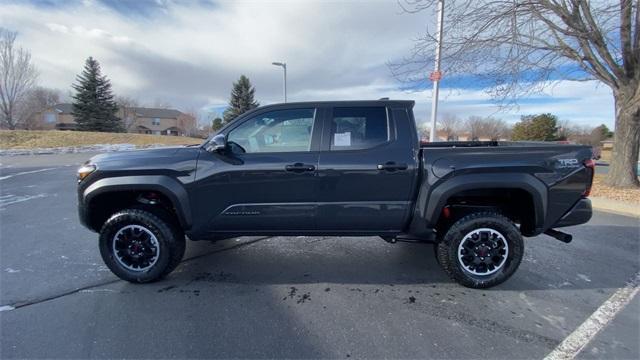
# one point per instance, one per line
(565, 129)
(17, 77)
(189, 122)
(36, 101)
(519, 47)
(126, 110)
(485, 128)
(494, 129)
(474, 124)
(450, 125)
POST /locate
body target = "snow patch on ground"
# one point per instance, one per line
(77, 149)
(584, 277)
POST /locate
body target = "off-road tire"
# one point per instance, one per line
(447, 249)
(167, 232)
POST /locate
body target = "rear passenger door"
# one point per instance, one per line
(366, 175)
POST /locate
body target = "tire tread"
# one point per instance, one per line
(446, 252)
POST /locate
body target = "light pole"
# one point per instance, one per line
(436, 75)
(284, 67)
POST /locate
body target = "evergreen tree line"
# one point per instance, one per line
(95, 107)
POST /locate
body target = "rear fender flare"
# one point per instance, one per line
(442, 192)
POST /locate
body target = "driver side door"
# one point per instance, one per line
(266, 181)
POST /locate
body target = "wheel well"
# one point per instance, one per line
(515, 204)
(104, 205)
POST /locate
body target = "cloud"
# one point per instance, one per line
(189, 53)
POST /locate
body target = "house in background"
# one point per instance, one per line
(157, 121)
(56, 117)
(135, 119)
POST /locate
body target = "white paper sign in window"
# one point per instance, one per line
(342, 139)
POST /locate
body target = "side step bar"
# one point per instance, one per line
(564, 237)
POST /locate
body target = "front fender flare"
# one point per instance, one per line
(163, 184)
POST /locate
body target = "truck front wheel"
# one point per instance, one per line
(141, 246)
(481, 250)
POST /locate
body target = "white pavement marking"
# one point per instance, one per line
(12, 199)
(25, 173)
(580, 337)
(6, 308)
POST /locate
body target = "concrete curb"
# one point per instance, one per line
(615, 206)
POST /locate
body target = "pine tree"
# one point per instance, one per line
(94, 106)
(242, 99)
(216, 124)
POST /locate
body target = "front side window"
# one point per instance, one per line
(275, 131)
(156, 121)
(354, 128)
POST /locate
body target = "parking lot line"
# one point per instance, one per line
(25, 173)
(571, 346)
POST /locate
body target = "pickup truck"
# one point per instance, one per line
(345, 168)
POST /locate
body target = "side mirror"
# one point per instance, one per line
(217, 143)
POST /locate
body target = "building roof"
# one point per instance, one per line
(157, 113)
(66, 108)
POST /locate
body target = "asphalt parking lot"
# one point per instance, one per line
(293, 297)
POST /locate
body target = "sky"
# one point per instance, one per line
(188, 53)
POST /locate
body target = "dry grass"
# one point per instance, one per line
(600, 189)
(22, 139)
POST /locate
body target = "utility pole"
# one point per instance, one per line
(284, 82)
(436, 75)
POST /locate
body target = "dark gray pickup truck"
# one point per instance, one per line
(352, 168)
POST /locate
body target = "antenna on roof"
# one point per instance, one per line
(384, 98)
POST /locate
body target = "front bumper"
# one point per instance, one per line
(83, 215)
(580, 213)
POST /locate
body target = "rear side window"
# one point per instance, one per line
(354, 128)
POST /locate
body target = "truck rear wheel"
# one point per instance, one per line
(140, 246)
(481, 250)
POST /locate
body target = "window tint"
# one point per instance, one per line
(358, 128)
(276, 131)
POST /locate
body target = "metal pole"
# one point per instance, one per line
(284, 65)
(436, 80)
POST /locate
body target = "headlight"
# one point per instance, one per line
(85, 170)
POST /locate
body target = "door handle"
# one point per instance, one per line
(299, 167)
(392, 166)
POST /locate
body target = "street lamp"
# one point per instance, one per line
(284, 67)
(436, 75)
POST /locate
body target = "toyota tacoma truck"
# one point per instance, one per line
(346, 168)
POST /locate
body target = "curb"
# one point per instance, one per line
(615, 206)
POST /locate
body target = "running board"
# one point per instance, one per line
(564, 237)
